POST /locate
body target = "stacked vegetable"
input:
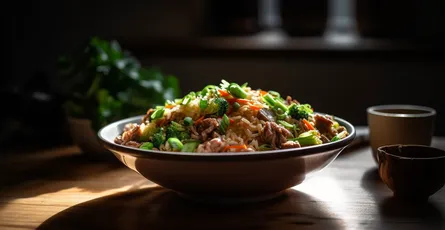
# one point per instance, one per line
(203, 120)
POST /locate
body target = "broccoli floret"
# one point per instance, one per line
(183, 136)
(223, 106)
(300, 111)
(177, 126)
(174, 130)
(171, 132)
(158, 139)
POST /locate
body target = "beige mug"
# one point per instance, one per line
(400, 124)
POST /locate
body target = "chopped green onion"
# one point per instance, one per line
(279, 104)
(175, 143)
(207, 89)
(224, 124)
(146, 146)
(274, 93)
(190, 146)
(178, 101)
(189, 97)
(186, 101)
(203, 104)
(236, 106)
(188, 121)
(244, 85)
(308, 138)
(339, 136)
(237, 91)
(285, 124)
(265, 147)
(281, 115)
(269, 100)
(158, 113)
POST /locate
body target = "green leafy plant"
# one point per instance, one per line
(107, 83)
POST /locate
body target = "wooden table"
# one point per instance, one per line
(61, 189)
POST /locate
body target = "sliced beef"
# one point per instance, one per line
(324, 139)
(133, 144)
(131, 135)
(194, 134)
(206, 127)
(265, 115)
(275, 135)
(290, 144)
(324, 125)
(341, 129)
(118, 140)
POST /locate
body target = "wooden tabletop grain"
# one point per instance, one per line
(62, 189)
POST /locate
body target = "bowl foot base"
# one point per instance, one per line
(230, 200)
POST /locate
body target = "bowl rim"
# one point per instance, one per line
(426, 111)
(257, 155)
(381, 149)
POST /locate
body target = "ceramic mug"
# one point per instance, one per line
(400, 124)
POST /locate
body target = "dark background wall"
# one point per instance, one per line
(341, 81)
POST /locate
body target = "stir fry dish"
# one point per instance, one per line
(231, 118)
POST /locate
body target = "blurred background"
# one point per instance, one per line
(340, 56)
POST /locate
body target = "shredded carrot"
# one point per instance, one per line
(239, 100)
(254, 107)
(169, 106)
(243, 101)
(262, 92)
(231, 100)
(199, 120)
(223, 93)
(231, 121)
(308, 125)
(240, 147)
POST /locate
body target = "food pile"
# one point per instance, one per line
(231, 118)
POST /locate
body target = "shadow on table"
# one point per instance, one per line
(158, 208)
(392, 209)
(372, 183)
(426, 213)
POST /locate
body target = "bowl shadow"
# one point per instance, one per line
(159, 208)
(372, 183)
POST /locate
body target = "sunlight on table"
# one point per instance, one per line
(327, 190)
